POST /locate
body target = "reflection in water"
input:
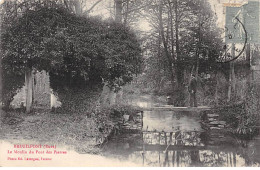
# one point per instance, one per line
(170, 121)
(172, 138)
(177, 139)
(189, 151)
(188, 158)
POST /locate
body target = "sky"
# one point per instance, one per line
(217, 7)
(105, 7)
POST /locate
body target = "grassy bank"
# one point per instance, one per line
(74, 131)
(70, 125)
(79, 124)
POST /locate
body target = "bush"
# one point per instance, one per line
(244, 117)
(250, 117)
(230, 114)
(11, 84)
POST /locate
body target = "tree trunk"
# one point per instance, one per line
(172, 42)
(172, 31)
(119, 8)
(1, 74)
(165, 45)
(29, 89)
(78, 8)
(179, 65)
(126, 13)
(118, 18)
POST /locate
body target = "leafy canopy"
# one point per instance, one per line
(66, 45)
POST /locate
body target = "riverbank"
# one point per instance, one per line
(75, 131)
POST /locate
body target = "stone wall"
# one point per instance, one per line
(130, 123)
(41, 90)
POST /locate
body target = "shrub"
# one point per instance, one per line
(244, 117)
(250, 116)
(12, 81)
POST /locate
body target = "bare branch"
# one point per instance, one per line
(92, 7)
(66, 4)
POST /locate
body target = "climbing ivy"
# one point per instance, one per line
(77, 51)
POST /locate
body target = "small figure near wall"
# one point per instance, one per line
(169, 100)
(193, 91)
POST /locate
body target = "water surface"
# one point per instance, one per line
(177, 139)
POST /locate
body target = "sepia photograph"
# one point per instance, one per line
(129, 83)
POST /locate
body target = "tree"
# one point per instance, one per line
(10, 12)
(79, 7)
(187, 37)
(123, 54)
(73, 49)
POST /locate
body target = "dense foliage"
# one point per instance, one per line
(77, 51)
(244, 117)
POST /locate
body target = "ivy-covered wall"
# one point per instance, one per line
(41, 92)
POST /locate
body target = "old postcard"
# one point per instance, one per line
(130, 83)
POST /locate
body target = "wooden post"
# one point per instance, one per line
(170, 138)
(159, 138)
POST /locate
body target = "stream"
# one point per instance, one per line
(171, 139)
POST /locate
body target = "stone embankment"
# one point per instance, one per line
(217, 130)
(212, 122)
(130, 123)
